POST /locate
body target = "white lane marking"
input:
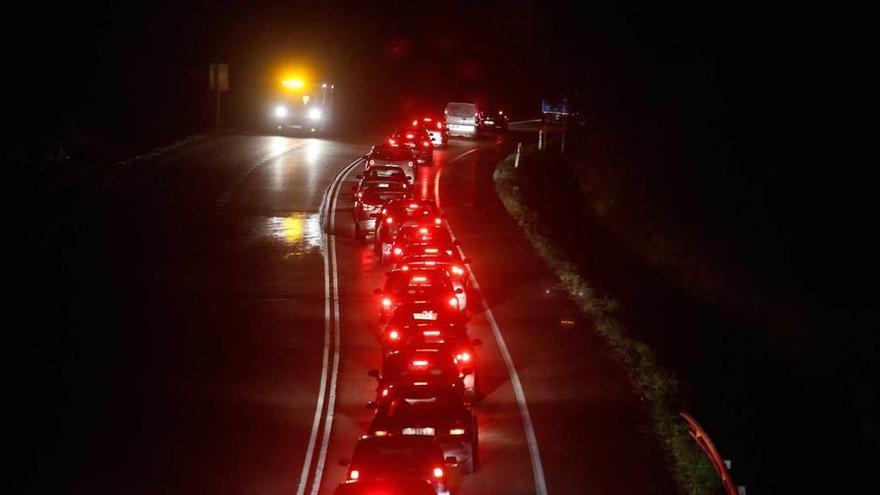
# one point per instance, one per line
(331, 403)
(313, 436)
(519, 393)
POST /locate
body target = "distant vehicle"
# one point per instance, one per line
(396, 156)
(561, 111)
(436, 128)
(302, 107)
(417, 140)
(435, 411)
(461, 119)
(404, 286)
(420, 367)
(399, 212)
(392, 457)
(493, 119)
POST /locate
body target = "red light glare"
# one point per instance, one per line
(398, 251)
(355, 474)
(420, 363)
(453, 302)
(431, 333)
(410, 136)
(394, 335)
(437, 221)
(438, 472)
(386, 302)
(389, 220)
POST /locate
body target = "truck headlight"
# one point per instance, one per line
(315, 114)
(281, 111)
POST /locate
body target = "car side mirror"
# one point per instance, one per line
(378, 292)
(451, 459)
(374, 373)
(459, 291)
(477, 342)
(467, 261)
(467, 371)
(372, 405)
(344, 462)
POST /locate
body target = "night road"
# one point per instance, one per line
(248, 304)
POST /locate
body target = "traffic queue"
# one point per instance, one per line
(423, 427)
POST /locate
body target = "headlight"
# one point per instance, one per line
(281, 111)
(315, 114)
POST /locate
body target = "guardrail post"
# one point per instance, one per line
(562, 146)
(518, 151)
(541, 139)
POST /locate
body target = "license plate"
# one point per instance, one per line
(418, 431)
(425, 315)
(456, 127)
(490, 122)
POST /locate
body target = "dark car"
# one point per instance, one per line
(385, 458)
(429, 234)
(416, 286)
(370, 198)
(436, 128)
(418, 140)
(492, 119)
(414, 324)
(400, 212)
(391, 155)
(418, 366)
(435, 411)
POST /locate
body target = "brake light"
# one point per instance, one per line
(420, 279)
(389, 220)
(453, 302)
(398, 251)
(438, 472)
(415, 122)
(457, 270)
(426, 143)
(413, 205)
(439, 125)
(404, 268)
(428, 119)
(355, 474)
(410, 164)
(386, 302)
(431, 333)
(392, 142)
(394, 335)
(437, 221)
(382, 433)
(420, 363)
(463, 357)
(423, 230)
(384, 392)
(410, 136)
(420, 384)
(430, 250)
(454, 431)
(372, 162)
(500, 112)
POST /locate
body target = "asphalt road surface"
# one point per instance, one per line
(215, 321)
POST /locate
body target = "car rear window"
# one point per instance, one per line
(461, 109)
(392, 154)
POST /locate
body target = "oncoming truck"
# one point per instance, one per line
(302, 107)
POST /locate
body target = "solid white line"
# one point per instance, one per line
(313, 436)
(519, 393)
(331, 404)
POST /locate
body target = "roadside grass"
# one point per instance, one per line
(657, 385)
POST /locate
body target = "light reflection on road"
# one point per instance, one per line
(299, 230)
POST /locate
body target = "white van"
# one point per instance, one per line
(461, 119)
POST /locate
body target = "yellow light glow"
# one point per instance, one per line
(293, 83)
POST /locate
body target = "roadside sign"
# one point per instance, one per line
(218, 77)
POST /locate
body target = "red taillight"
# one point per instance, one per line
(394, 335)
(355, 474)
(415, 122)
(384, 392)
(410, 136)
(431, 333)
(413, 205)
(389, 220)
(438, 472)
(410, 164)
(392, 142)
(463, 357)
(457, 270)
(437, 221)
(453, 302)
(428, 119)
(372, 162)
(439, 125)
(500, 112)
(404, 268)
(423, 230)
(386, 302)
(397, 251)
(420, 363)
(426, 143)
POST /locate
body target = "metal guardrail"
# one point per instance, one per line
(699, 435)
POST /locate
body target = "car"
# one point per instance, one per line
(406, 286)
(397, 457)
(492, 119)
(436, 411)
(426, 233)
(413, 324)
(436, 129)
(427, 255)
(402, 485)
(461, 119)
(416, 139)
(421, 366)
(399, 212)
(388, 155)
(370, 198)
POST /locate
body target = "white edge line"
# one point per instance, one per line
(313, 436)
(519, 393)
(331, 404)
